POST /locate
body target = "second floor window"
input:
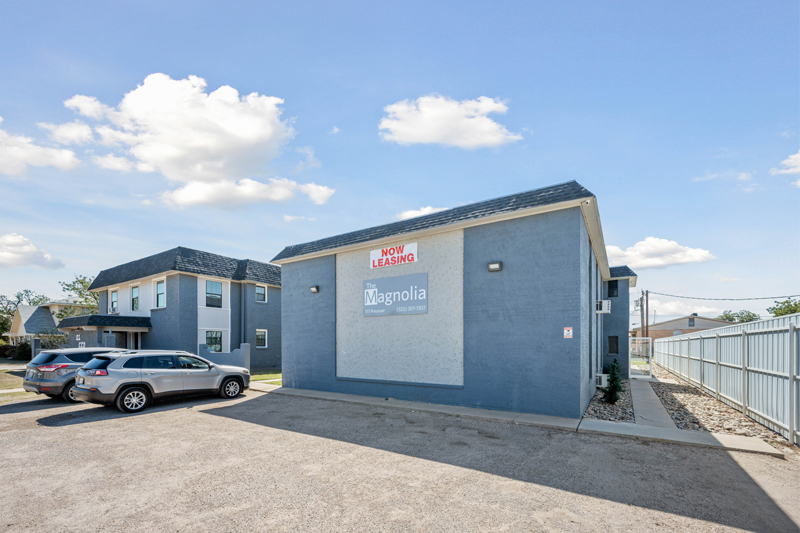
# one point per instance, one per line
(261, 293)
(213, 294)
(134, 298)
(113, 304)
(613, 288)
(161, 295)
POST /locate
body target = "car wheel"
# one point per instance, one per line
(67, 394)
(133, 400)
(231, 388)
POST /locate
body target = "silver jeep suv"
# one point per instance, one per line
(131, 380)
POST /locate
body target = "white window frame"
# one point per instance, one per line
(139, 296)
(266, 294)
(221, 339)
(110, 292)
(266, 339)
(155, 293)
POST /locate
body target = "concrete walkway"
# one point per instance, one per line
(647, 408)
(5, 391)
(600, 427)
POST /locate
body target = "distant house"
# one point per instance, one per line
(679, 326)
(36, 320)
(183, 299)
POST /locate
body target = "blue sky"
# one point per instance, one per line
(683, 119)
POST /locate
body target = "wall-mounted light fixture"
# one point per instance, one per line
(495, 266)
(315, 289)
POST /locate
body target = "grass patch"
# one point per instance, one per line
(265, 374)
(11, 379)
(11, 396)
(4, 362)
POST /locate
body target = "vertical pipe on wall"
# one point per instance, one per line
(242, 294)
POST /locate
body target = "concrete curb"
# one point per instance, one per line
(598, 427)
(6, 391)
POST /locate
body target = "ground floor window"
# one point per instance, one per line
(613, 345)
(261, 338)
(214, 341)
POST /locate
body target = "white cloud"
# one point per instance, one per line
(214, 144)
(292, 218)
(786, 133)
(792, 163)
(405, 215)
(654, 253)
(796, 183)
(707, 177)
(310, 162)
(671, 309)
(16, 251)
(334, 130)
(728, 280)
(436, 119)
(18, 152)
(70, 133)
(228, 194)
(744, 176)
(112, 162)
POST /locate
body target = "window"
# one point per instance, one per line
(134, 362)
(261, 293)
(98, 363)
(134, 298)
(213, 294)
(214, 341)
(161, 296)
(613, 345)
(113, 304)
(613, 288)
(81, 345)
(192, 363)
(84, 357)
(159, 362)
(691, 322)
(261, 338)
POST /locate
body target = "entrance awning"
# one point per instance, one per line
(115, 322)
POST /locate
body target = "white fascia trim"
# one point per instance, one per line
(444, 229)
(631, 280)
(591, 215)
(159, 275)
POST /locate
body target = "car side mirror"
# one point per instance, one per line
(210, 367)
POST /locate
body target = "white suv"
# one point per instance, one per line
(132, 380)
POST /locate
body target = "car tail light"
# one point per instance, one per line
(96, 372)
(51, 368)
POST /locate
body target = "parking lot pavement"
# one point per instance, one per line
(282, 463)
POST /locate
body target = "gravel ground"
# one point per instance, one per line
(281, 463)
(622, 411)
(695, 410)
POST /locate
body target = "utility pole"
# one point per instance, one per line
(647, 310)
(641, 315)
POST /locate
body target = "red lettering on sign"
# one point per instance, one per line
(410, 258)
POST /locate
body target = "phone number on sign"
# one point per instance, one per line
(411, 308)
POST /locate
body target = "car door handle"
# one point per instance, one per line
(149, 373)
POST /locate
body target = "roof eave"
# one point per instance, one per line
(443, 229)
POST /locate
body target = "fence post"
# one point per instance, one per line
(744, 372)
(702, 363)
(792, 385)
(716, 365)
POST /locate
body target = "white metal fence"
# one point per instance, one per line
(752, 367)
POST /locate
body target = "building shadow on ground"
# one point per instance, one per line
(700, 483)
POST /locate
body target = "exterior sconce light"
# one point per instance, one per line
(315, 289)
(496, 266)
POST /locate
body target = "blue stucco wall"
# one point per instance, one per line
(617, 323)
(175, 326)
(515, 354)
(102, 306)
(267, 316)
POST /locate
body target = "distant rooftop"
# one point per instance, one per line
(191, 261)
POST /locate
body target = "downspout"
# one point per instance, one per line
(242, 294)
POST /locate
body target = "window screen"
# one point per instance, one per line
(613, 345)
(214, 341)
(261, 294)
(261, 338)
(613, 288)
(213, 294)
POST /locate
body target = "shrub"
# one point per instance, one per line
(7, 351)
(23, 351)
(614, 387)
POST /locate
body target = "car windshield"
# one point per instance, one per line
(98, 363)
(43, 358)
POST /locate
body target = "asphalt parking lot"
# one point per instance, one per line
(266, 462)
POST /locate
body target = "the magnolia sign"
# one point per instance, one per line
(399, 295)
(393, 255)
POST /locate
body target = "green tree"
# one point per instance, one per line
(740, 317)
(79, 290)
(614, 387)
(786, 307)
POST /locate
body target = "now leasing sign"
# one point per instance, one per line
(400, 295)
(394, 255)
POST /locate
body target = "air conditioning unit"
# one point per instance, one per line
(112, 311)
(603, 307)
(601, 380)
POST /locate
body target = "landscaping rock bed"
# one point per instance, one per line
(695, 410)
(622, 411)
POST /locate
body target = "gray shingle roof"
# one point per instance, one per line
(113, 321)
(36, 319)
(193, 262)
(622, 272)
(563, 192)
